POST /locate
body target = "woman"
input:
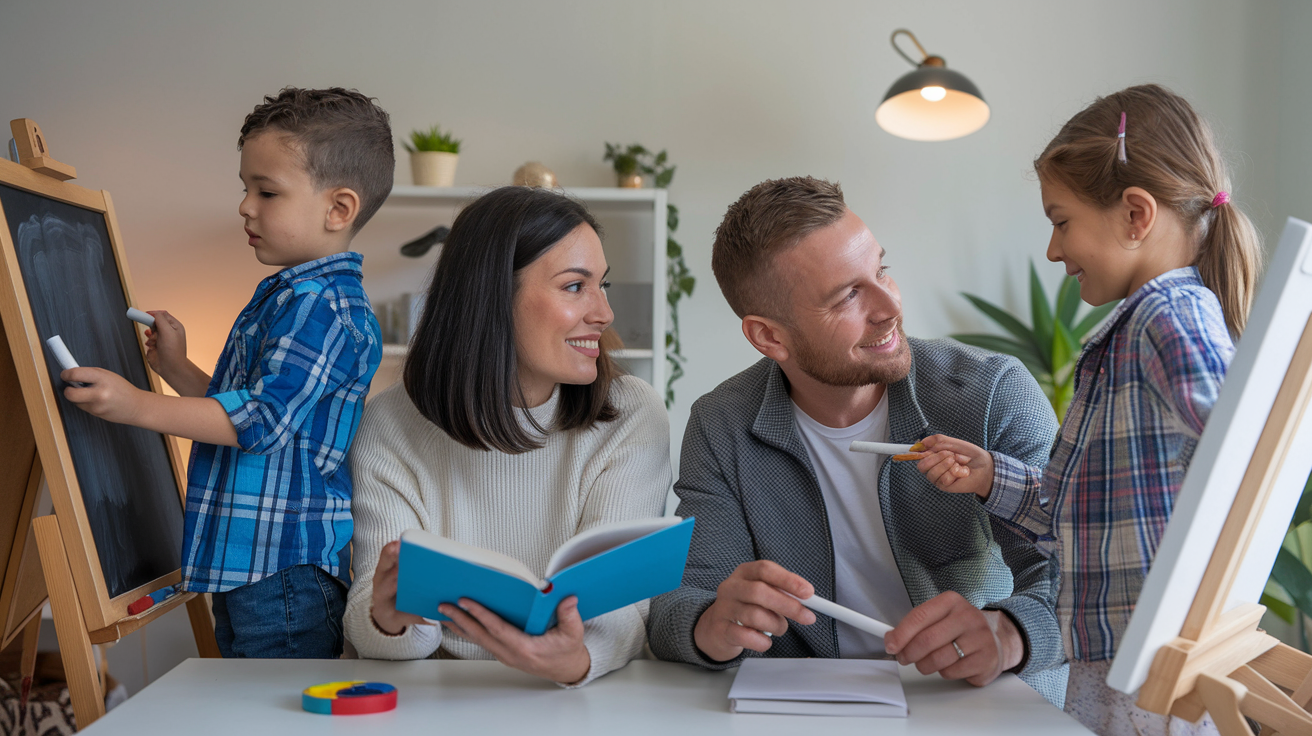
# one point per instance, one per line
(513, 431)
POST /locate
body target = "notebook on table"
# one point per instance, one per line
(819, 687)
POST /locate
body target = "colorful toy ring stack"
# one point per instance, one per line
(350, 698)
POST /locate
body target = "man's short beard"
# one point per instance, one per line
(832, 371)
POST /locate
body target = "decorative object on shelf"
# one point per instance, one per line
(1049, 349)
(534, 174)
(420, 245)
(398, 318)
(932, 103)
(679, 281)
(433, 157)
(633, 161)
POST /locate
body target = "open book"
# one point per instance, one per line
(607, 567)
(819, 687)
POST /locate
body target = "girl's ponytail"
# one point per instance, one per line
(1229, 259)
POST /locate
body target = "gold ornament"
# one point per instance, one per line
(534, 174)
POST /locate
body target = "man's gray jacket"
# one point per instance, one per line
(746, 476)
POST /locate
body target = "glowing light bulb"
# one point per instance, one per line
(933, 94)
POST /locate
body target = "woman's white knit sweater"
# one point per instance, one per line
(410, 474)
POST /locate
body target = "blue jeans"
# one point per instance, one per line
(295, 613)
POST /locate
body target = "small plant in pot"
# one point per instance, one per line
(433, 157)
(628, 162)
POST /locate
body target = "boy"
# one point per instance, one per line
(268, 512)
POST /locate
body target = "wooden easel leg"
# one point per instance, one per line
(27, 665)
(1222, 697)
(202, 627)
(74, 643)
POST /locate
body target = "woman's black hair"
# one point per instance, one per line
(461, 371)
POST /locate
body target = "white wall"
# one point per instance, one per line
(146, 98)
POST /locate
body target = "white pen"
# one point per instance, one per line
(844, 614)
(880, 448)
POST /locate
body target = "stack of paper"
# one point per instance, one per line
(819, 687)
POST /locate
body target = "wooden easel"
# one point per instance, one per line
(56, 559)
(1221, 662)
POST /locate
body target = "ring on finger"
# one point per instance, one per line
(960, 654)
(740, 623)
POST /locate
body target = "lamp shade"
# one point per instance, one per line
(932, 103)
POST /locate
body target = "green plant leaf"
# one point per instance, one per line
(1303, 511)
(672, 218)
(686, 283)
(664, 178)
(1068, 300)
(1286, 612)
(1093, 319)
(1295, 578)
(1005, 345)
(1040, 312)
(1004, 319)
(673, 249)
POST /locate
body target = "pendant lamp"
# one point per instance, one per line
(932, 103)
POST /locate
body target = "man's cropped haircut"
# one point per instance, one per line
(769, 219)
(345, 139)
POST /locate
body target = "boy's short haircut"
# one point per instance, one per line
(769, 219)
(345, 138)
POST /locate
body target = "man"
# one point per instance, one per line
(784, 508)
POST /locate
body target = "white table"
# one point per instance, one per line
(252, 697)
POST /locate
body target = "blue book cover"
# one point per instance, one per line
(608, 567)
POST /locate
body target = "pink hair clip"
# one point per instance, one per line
(1120, 134)
(1221, 198)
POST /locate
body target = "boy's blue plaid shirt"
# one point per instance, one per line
(292, 378)
(1144, 387)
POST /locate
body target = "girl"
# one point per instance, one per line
(1140, 210)
(513, 431)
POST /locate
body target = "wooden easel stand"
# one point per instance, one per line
(1221, 662)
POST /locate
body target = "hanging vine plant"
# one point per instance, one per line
(679, 281)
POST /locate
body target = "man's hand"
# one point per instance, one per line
(107, 394)
(751, 606)
(383, 608)
(558, 654)
(956, 466)
(988, 639)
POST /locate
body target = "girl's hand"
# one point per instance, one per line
(383, 610)
(107, 394)
(166, 344)
(558, 654)
(956, 466)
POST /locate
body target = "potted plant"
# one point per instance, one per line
(433, 157)
(628, 163)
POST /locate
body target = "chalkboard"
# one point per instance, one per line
(126, 475)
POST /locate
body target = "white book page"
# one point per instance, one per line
(605, 537)
(820, 680)
(474, 555)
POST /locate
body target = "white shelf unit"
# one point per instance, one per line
(634, 235)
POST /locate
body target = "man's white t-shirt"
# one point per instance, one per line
(865, 574)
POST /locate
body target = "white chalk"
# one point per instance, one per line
(136, 315)
(65, 358)
(844, 614)
(880, 448)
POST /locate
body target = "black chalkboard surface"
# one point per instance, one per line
(125, 473)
